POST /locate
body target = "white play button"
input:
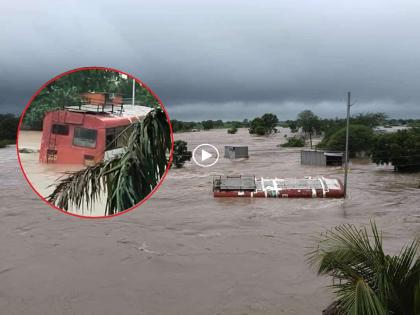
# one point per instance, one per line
(205, 155)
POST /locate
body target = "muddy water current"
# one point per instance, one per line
(184, 252)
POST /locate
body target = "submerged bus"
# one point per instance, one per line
(85, 133)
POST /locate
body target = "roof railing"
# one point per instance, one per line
(109, 108)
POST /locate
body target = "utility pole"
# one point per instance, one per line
(134, 93)
(346, 165)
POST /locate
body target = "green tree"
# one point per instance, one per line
(330, 126)
(260, 131)
(294, 143)
(217, 124)
(178, 125)
(369, 119)
(181, 153)
(309, 122)
(66, 91)
(207, 124)
(236, 124)
(50, 98)
(401, 149)
(142, 96)
(292, 125)
(263, 125)
(8, 128)
(125, 179)
(232, 130)
(270, 122)
(368, 281)
(360, 140)
(257, 124)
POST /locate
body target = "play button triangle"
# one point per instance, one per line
(205, 155)
(202, 157)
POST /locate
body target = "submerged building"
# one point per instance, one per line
(236, 151)
(321, 158)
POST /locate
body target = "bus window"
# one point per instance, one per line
(84, 137)
(58, 129)
(115, 138)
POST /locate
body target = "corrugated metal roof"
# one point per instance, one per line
(237, 183)
(241, 183)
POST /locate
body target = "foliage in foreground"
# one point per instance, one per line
(368, 281)
(294, 143)
(125, 179)
(181, 153)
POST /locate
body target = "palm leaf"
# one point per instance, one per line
(125, 179)
(370, 282)
(357, 297)
(404, 272)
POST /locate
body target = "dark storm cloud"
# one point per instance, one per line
(224, 59)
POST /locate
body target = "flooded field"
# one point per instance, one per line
(184, 252)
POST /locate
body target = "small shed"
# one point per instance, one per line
(236, 152)
(321, 158)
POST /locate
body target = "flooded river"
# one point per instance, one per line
(184, 252)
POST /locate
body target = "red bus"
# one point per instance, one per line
(83, 134)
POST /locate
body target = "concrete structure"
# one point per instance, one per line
(321, 158)
(236, 151)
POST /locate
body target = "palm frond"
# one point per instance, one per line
(125, 179)
(370, 282)
(358, 298)
(404, 273)
(346, 250)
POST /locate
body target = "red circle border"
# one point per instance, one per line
(143, 85)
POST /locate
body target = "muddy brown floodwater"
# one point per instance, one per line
(184, 252)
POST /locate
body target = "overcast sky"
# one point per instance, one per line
(224, 59)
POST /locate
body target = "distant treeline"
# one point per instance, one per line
(8, 129)
(180, 126)
(260, 125)
(401, 148)
(66, 91)
(333, 131)
(269, 121)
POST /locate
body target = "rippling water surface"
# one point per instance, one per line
(184, 252)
